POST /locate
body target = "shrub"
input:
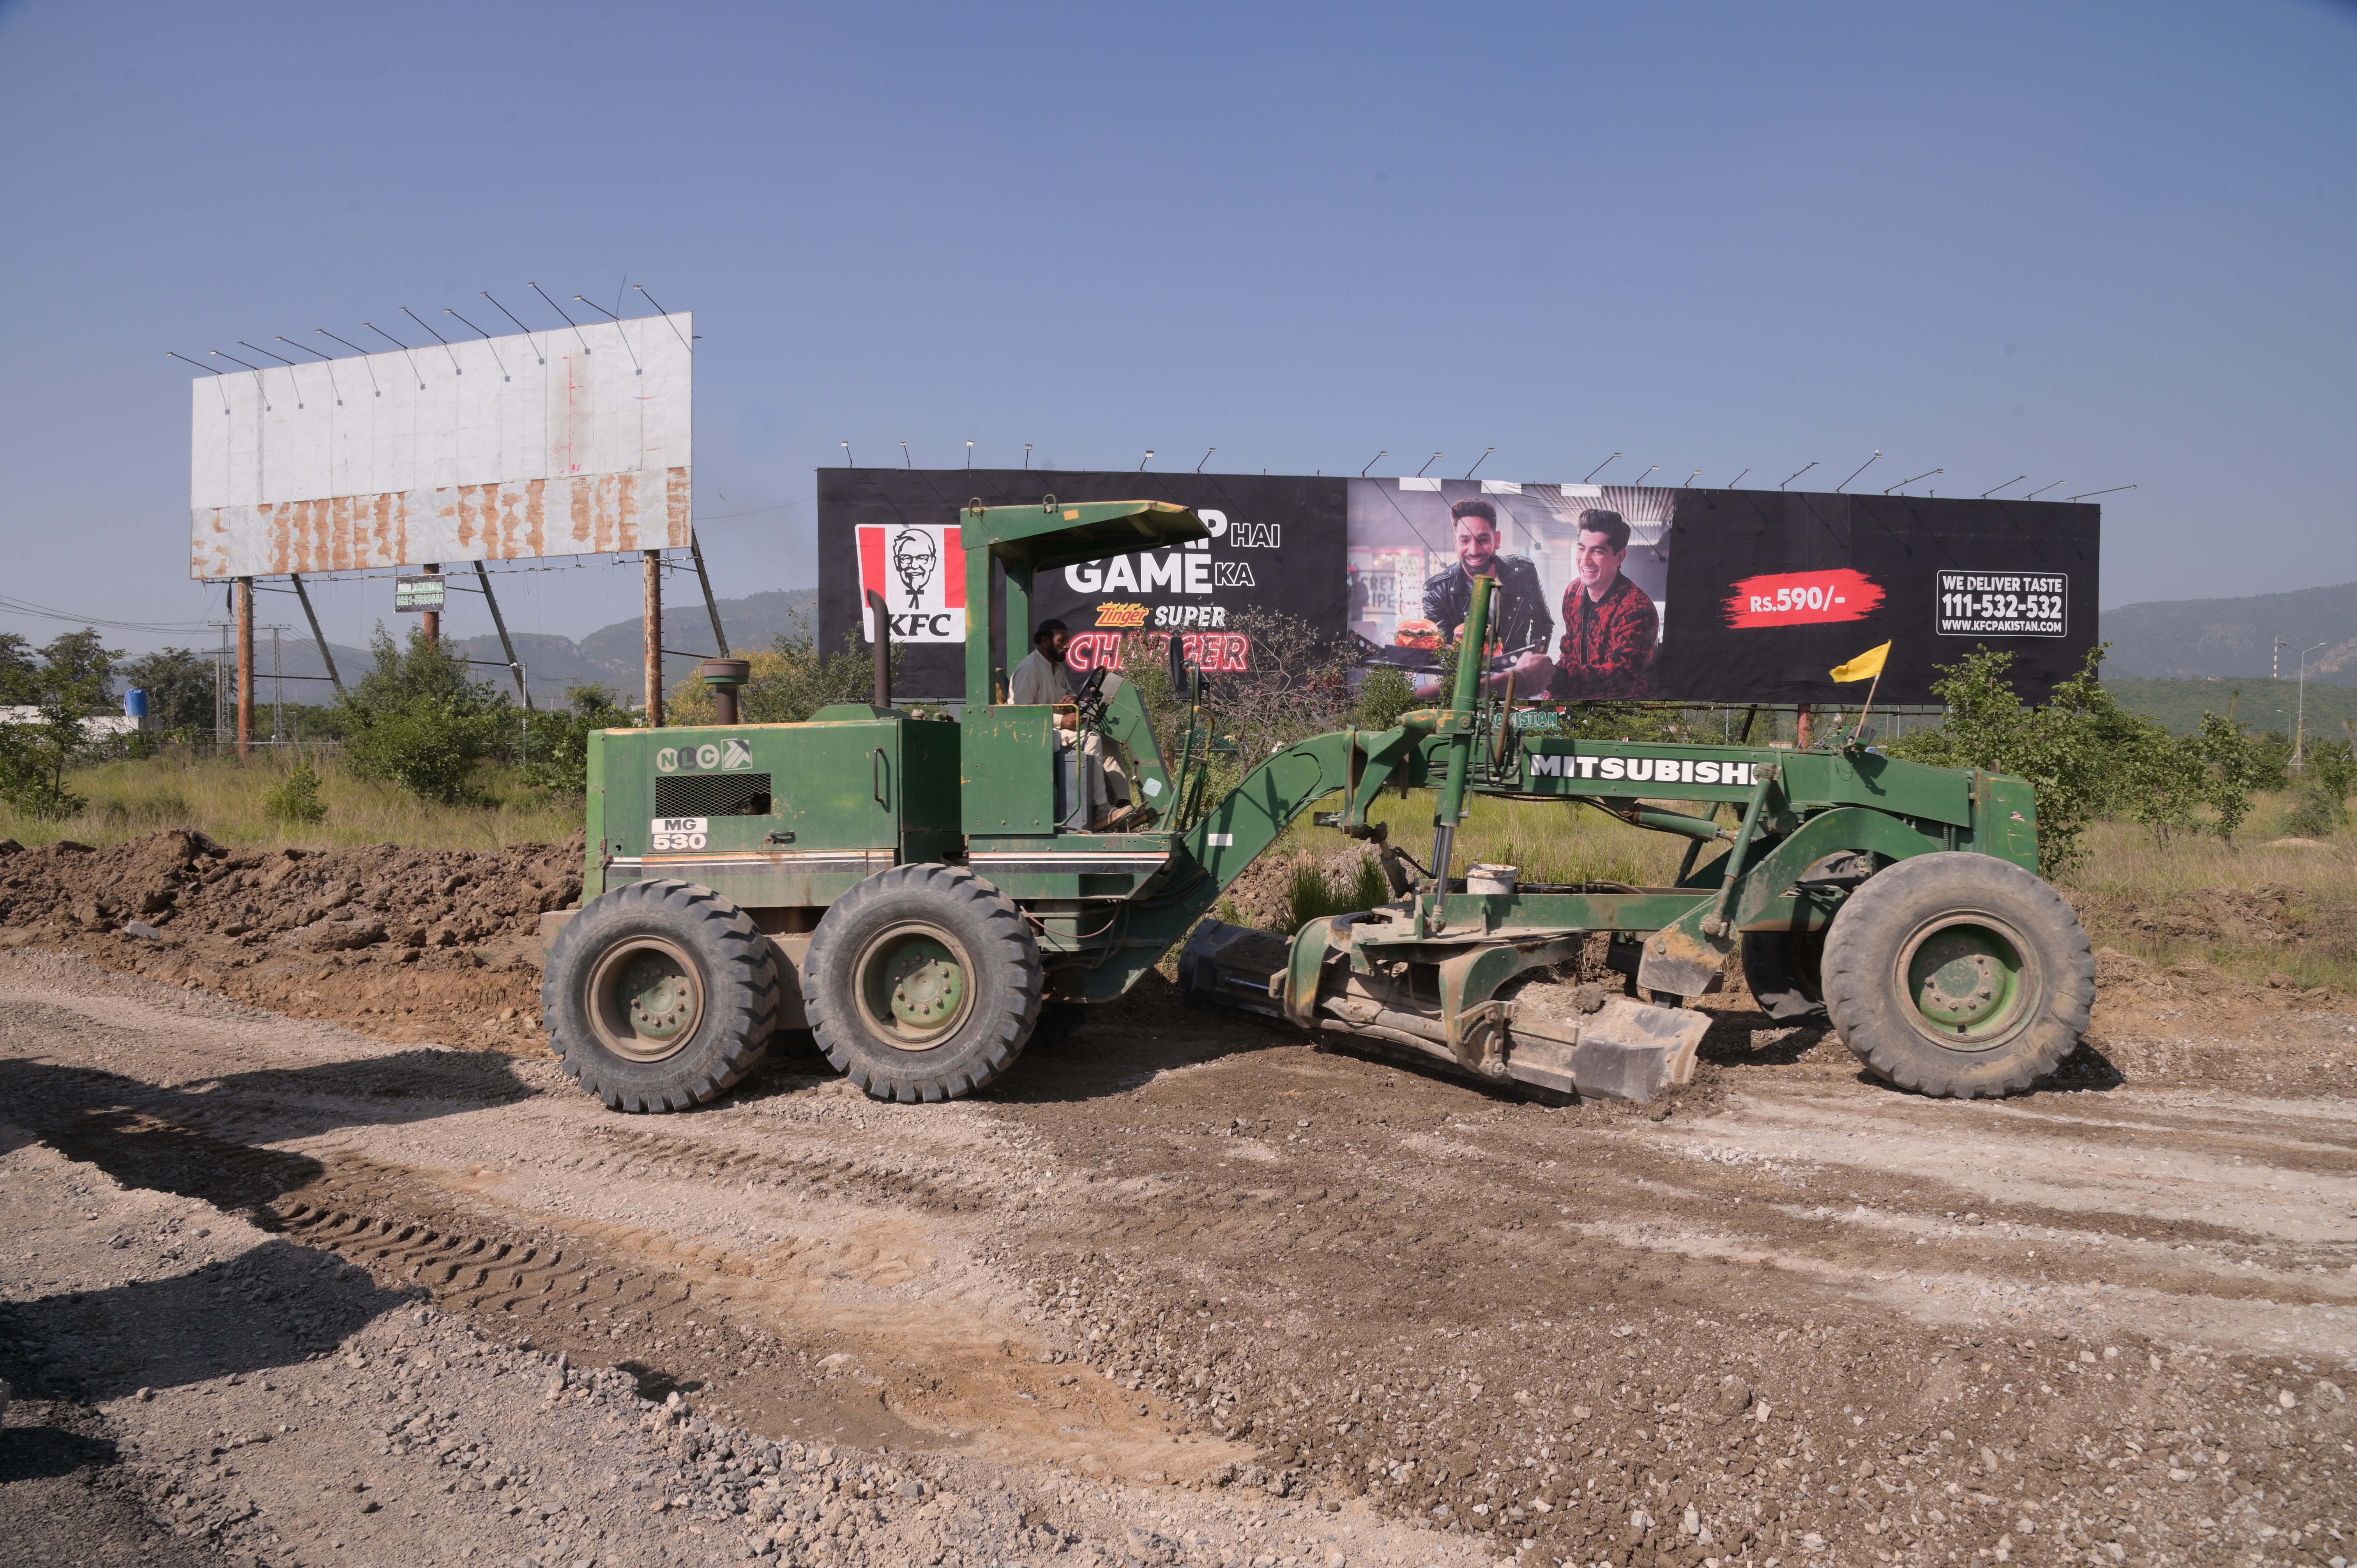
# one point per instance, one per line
(296, 798)
(417, 719)
(557, 745)
(2321, 807)
(179, 687)
(2088, 756)
(2070, 749)
(1386, 695)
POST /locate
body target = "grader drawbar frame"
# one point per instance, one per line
(923, 896)
(1424, 973)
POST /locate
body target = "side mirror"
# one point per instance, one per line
(1178, 667)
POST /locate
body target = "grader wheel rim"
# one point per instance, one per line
(914, 982)
(646, 998)
(1970, 980)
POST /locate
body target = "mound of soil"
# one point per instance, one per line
(1263, 896)
(2262, 916)
(406, 943)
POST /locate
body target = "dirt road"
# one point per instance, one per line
(1180, 1290)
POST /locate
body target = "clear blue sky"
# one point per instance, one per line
(2109, 244)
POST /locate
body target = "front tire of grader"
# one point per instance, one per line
(1959, 975)
(659, 995)
(924, 983)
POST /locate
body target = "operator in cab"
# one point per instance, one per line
(1044, 680)
(1041, 680)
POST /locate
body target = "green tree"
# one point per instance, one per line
(792, 679)
(179, 687)
(2332, 770)
(557, 745)
(73, 682)
(19, 671)
(2073, 750)
(418, 720)
(2231, 767)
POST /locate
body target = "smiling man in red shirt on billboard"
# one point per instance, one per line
(1609, 625)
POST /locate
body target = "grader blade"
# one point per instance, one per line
(1623, 1050)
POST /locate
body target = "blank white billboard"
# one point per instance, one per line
(560, 443)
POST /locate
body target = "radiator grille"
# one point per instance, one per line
(713, 795)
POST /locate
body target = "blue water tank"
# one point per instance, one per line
(135, 704)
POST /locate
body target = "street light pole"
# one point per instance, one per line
(2300, 724)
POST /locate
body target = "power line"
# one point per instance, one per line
(21, 607)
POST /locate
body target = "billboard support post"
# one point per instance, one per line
(654, 638)
(515, 666)
(711, 607)
(318, 639)
(245, 665)
(432, 618)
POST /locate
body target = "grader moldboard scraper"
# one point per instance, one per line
(926, 895)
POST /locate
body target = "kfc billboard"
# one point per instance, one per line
(1276, 544)
(1605, 593)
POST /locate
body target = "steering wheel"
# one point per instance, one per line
(1091, 698)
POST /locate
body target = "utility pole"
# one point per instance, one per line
(220, 689)
(2299, 725)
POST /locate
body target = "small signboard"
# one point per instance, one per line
(421, 592)
(2004, 604)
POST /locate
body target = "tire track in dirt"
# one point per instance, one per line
(1511, 1324)
(1468, 1311)
(751, 1339)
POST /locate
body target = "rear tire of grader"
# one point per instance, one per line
(1958, 975)
(659, 995)
(923, 983)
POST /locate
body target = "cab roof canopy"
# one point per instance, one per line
(1032, 539)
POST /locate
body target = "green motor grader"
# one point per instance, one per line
(925, 896)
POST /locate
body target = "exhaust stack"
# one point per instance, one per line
(724, 677)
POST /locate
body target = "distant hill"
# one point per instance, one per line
(610, 656)
(2234, 637)
(753, 623)
(2259, 702)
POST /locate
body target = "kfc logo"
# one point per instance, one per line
(915, 558)
(919, 569)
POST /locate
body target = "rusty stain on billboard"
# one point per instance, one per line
(575, 442)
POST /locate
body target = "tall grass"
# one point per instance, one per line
(2149, 899)
(1551, 842)
(225, 798)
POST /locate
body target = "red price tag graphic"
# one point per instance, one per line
(1802, 598)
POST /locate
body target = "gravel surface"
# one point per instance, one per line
(1179, 1290)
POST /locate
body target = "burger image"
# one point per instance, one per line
(1417, 632)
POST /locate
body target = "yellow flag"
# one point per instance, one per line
(1866, 666)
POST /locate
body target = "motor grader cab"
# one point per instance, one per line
(919, 894)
